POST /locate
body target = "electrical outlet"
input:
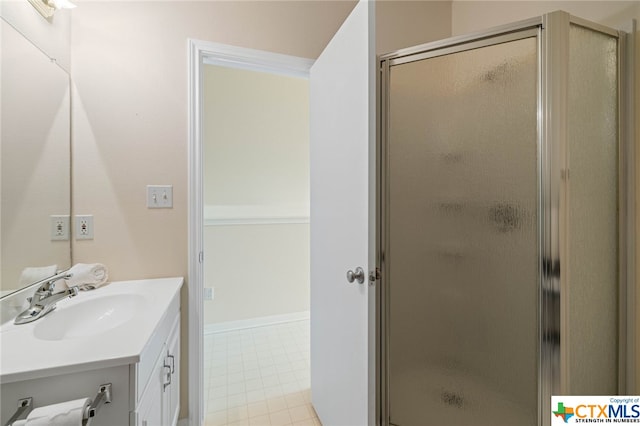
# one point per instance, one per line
(59, 227)
(84, 227)
(159, 196)
(208, 293)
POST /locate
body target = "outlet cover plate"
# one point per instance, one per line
(59, 227)
(160, 196)
(84, 227)
(208, 293)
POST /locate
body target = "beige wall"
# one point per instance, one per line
(471, 16)
(256, 270)
(256, 137)
(401, 24)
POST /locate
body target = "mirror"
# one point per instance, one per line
(35, 161)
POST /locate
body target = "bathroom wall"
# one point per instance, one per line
(402, 24)
(256, 193)
(130, 109)
(468, 16)
(51, 35)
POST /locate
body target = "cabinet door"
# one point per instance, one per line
(151, 408)
(172, 385)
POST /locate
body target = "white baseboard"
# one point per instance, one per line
(254, 322)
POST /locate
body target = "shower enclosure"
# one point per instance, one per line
(502, 202)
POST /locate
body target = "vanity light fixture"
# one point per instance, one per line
(47, 8)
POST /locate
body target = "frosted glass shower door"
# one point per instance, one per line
(462, 238)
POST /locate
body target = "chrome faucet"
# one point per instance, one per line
(44, 299)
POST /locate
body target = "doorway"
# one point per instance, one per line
(252, 149)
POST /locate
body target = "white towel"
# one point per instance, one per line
(87, 276)
(33, 274)
(68, 413)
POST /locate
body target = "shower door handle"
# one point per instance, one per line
(357, 275)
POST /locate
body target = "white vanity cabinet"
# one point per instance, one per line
(139, 357)
(158, 402)
(172, 389)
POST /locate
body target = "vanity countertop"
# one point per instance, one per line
(101, 338)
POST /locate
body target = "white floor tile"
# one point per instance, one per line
(299, 413)
(253, 384)
(218, 418)
(252, 374)
(217, 404)
(236, 388)
(280, 418)
(236, 400)
(238, 413)
(255, 396)
(259, 408)
(269, 381)
(259, 376)
(277, 404)
(295, 399)
(260, 420)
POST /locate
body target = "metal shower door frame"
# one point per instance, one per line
(552, 34)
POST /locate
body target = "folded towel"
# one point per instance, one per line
(32, 274)
(87, 276)
(68, 413)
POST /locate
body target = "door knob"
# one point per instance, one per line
(357, 275)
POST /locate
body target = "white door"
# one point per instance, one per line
(342, 108)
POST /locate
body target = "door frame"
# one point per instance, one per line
(199, 53)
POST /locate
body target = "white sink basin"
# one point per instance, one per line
(84, 318)
(107, 327)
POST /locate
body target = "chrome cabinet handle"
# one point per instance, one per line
(173, 363)
(357, 275)
(167, 375)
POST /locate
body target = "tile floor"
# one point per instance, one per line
(259, 376)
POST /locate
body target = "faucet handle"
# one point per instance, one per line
(73, 291)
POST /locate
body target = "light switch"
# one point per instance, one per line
(160, 196)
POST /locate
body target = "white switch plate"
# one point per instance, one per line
(59, 227)
(84, 227)
(159, 196)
